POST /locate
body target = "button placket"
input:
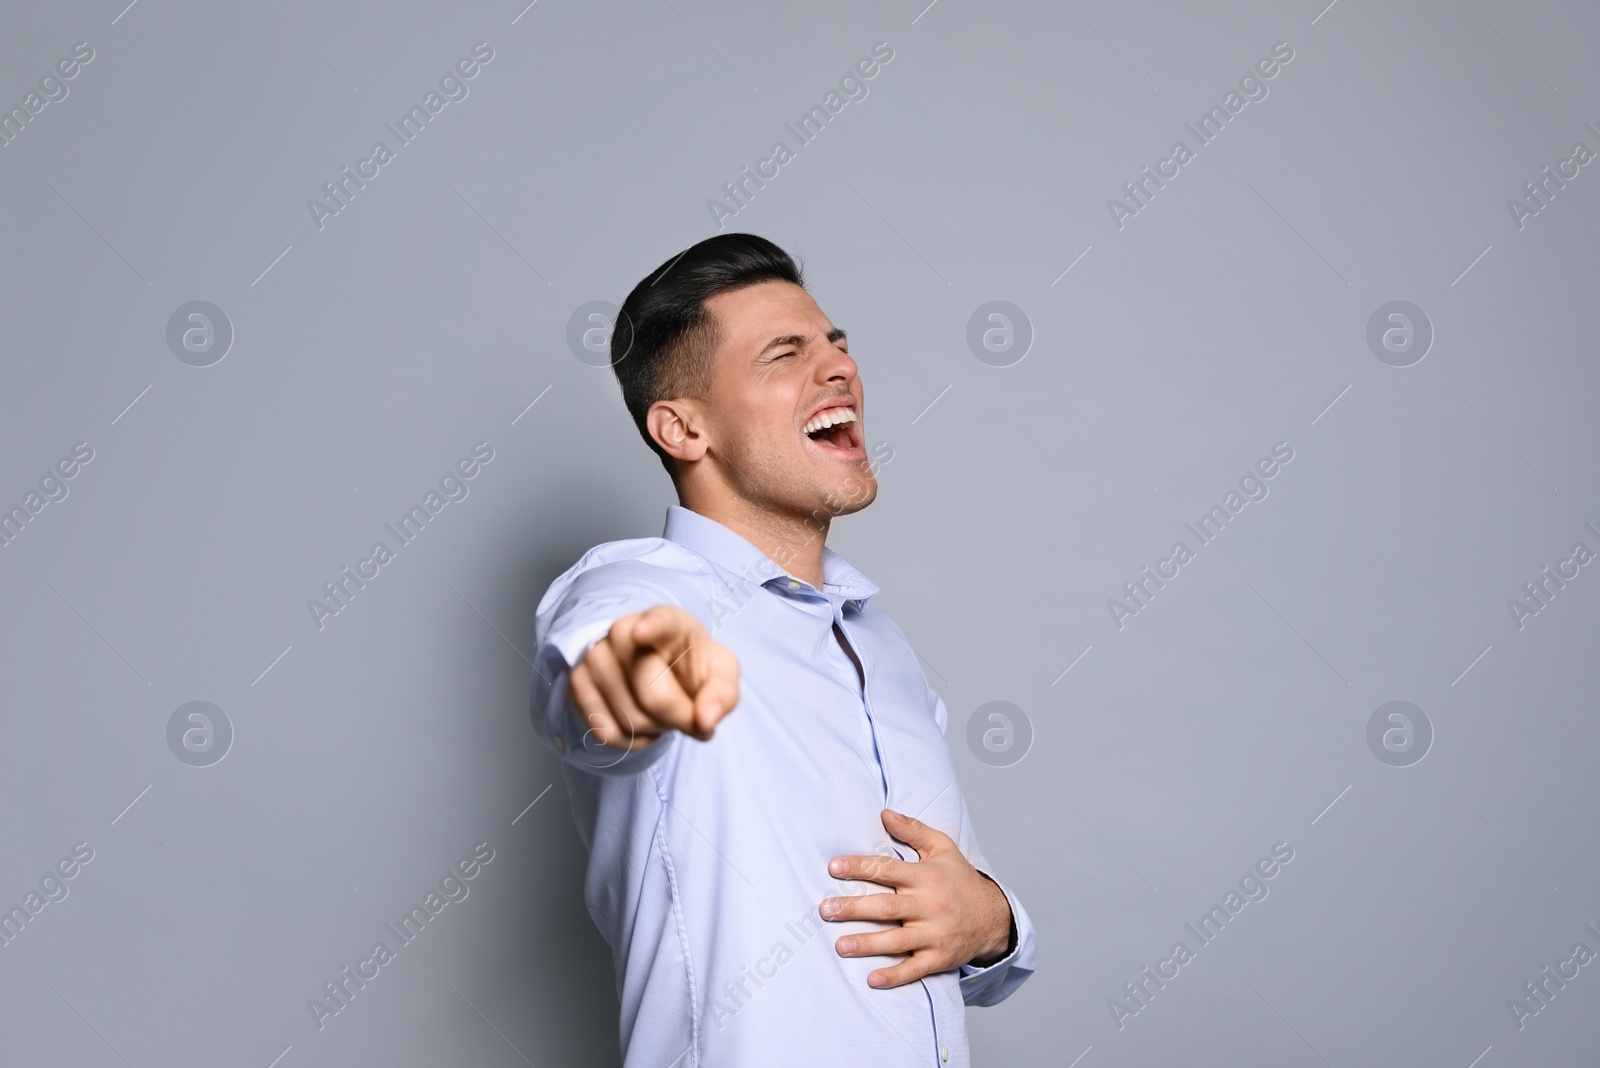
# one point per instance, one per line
(872, 726)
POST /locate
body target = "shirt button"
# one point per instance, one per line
(561, 743)
(944, 1053)
(794, 584)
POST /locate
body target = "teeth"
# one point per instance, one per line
(831, 417)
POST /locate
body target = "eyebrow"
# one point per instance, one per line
(799, 340)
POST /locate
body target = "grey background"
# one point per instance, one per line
(1230, 314)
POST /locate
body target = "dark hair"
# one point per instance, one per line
(664, 337)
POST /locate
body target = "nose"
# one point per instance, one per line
(836, 366)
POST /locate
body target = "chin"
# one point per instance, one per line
(851, 494)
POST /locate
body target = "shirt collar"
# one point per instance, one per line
(730, 550)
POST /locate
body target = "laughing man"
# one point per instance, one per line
(779, 854)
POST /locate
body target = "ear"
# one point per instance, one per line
(675, 426)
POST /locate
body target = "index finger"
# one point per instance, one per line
(714, 682)
(658, 691)
(875, 868)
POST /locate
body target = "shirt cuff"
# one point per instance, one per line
(565, 729)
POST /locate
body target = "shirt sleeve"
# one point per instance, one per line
(583, 615)
(994, 983)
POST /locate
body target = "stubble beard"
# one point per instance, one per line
(770, 486)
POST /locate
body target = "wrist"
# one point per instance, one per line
(1004, 937)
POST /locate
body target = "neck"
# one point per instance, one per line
(794, 543)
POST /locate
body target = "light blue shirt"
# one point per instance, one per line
(708, 860)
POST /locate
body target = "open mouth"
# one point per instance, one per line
(835, 428)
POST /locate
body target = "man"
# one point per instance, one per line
(749, 744)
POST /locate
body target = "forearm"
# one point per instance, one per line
(1002, 925)
(992, 983)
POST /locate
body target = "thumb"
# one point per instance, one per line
(663, 629)
(924, 839)
(658, 626)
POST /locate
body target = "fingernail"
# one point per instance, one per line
(846, 945)
(830, 908)
(837, 866)
(875, 979)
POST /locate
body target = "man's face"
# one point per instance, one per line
(783, 369)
